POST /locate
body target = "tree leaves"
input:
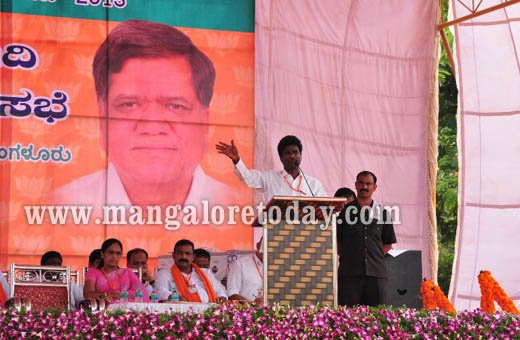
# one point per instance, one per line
(447, 176)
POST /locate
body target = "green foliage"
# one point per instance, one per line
(446, 189)
(446, 255)
(447, 177)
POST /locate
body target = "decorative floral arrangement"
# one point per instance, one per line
(428, 295)
(491, 291)
(433, 297)
(487, 303)
(442, 301)
(273, 322)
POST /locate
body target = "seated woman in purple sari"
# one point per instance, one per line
(107, 280)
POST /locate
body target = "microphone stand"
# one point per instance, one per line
(305, 178)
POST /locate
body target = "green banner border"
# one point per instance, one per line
(225, 15)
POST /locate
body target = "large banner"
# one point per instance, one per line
(109, 113)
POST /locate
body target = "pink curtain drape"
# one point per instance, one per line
(488, 63)
(352, 79)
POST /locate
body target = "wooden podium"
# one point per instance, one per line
(300, 262)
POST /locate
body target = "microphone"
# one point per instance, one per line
(305, 178)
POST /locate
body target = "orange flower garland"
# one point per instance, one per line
(433, 297)
(428, 295)
(503, 300)
(486, 292)
(490, 292)
(442, 301)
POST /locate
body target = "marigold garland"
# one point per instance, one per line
(428, 295)
(442, 301)
(503, 300)
(486, 292)
(434, 298)
(491, 291)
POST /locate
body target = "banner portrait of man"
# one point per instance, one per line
(144, 101)
(154, 88)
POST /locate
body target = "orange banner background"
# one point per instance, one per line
(66, 48)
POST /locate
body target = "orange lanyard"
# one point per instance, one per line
(112, 285)
(189, 278)
(191, 287)
(258, 269)
(299, 185)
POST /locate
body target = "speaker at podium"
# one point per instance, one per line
(404, 278)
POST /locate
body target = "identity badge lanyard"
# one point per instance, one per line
(191, 287)
(295, 189)
(258, 268)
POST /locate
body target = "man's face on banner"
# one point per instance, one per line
(157, 128)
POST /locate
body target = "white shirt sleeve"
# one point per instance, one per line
(234, 279)
(77, 294)
(5, 285)
(217, 286)
(149, 288)
(320, 192)
(251, 178)
(164, 284)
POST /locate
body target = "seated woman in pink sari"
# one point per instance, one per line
(107, 280)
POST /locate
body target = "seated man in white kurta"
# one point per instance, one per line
(193, 284)
(245, 279)
(286, 182)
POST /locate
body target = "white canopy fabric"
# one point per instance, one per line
(353, 80)
(488, 65)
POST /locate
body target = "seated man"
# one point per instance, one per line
(94, 258)
(138, 258)
(53, 258)
(245, 280)
(202, 258)
(192, 283)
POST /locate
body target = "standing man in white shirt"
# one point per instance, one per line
(286, 182)
(245, 280)
(193, 284)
